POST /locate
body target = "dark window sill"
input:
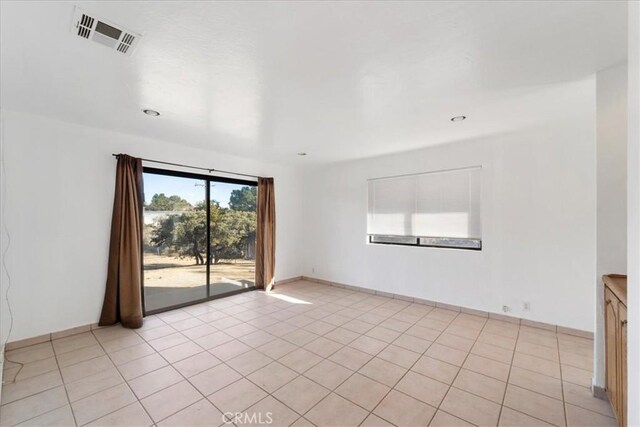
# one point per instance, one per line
(427, 242)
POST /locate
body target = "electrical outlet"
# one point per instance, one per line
(506, 308)
(527, 306)
(313, 269)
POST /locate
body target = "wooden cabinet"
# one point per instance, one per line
(615, 318)
(622, 396)
(611, 354)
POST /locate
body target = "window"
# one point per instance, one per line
(199, 238)
(438, 209)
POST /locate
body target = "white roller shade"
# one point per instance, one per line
(434, 204)
(391, 203)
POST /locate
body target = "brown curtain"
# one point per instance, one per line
(123, 296)
(266, 235)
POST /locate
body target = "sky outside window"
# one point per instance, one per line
(189, 189)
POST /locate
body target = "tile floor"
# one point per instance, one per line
(307, 354)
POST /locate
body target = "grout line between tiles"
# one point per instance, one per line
(171, 385)
(458, 373)
(35, 394)
(125, 382)
(339, 303)
(64, 384)
(409, 370)
(331, 391)
(222, 362)
(564, 401)
(506, 387)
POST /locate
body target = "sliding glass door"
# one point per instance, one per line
(233, 237)
(199, 238)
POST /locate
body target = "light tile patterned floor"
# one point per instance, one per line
(307, 354)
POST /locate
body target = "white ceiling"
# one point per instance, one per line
(336, 79)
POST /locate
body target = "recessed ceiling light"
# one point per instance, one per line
(153, 113)
(458, 118)
(302, 153)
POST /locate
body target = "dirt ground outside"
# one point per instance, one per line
(168, 271)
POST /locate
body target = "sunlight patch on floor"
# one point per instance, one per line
(289, 299)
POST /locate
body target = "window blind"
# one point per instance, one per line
(439, 208)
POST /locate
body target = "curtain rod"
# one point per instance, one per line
(194, 167)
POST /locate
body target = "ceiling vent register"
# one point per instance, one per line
(106, 33)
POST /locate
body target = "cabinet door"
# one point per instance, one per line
(622, 365)
(611, 320)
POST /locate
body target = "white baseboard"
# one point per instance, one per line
(85, 328)
(524, 322)
(468, 310)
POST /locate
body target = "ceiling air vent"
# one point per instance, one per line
(104, 32)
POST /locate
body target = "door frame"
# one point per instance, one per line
(208, 179)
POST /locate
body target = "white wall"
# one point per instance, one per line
(538, 224)
(59, 195)
(633, 217)
(611, 124)
(4, 309)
